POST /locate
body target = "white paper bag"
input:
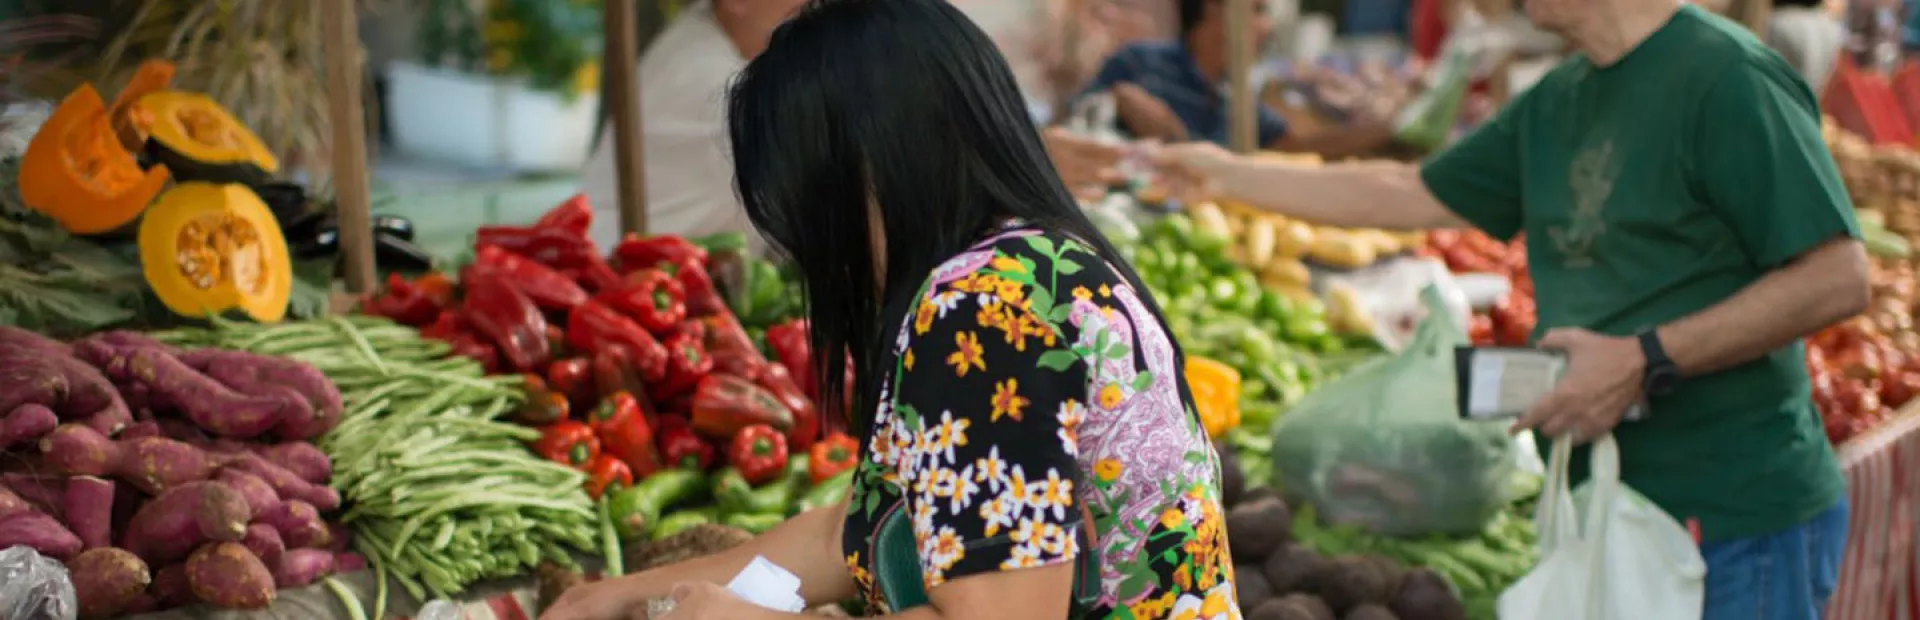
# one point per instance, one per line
(1621, 558)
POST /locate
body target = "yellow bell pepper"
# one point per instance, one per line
(1216, 394)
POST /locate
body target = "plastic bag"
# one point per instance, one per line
(439, 609)
(1384, 448)
(1388, 296)
(34, 587)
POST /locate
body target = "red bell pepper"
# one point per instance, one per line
(622, 427)
(702, 297)
(607, 474)
(469, 345)
(759, 452)
(557, 343)
(730, 347)
(544, 404)
(692, 329)
(596, 275)
(652, 297)
(574, 378)
(613, 373)
(438, 287)
(684, 449)
(403, 302)
(790, 344)
(500, 312)
(687, 364)
(724, 404)
(550, 289)
(593, 325)
(775, 379)
(444, 327)
(668, 251)
(568, 443)
(575, 216)
(553, 247)
(837, 453)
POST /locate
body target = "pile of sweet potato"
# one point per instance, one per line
(167, 477)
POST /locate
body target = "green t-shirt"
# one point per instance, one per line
(1651, 189)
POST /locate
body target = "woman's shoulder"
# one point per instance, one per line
(1034, 257)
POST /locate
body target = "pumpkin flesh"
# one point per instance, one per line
(76, 172)
(200, 140)
(209, 248)
(129, 122)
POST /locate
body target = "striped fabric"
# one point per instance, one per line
(1879, 580)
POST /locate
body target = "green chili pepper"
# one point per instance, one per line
(682, 521)
(757, 523)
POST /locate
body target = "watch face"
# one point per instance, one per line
(1661, 381)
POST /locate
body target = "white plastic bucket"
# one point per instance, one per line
(482, 121)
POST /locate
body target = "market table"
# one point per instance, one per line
(1880, 579)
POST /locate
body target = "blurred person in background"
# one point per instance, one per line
(1176, 90)
(1809, 36)
(684, 75)
(1685, 226)
(683, 83)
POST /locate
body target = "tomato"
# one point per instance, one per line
(1900, 389)
(1861, 361)
(1480, 330)
(1867, 402)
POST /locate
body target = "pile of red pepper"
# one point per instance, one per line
(1868, 367)
(631, 364)
(1511, 320)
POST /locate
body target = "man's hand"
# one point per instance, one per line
(1603, 379)
(1147, 116)
(1087, 167)
(1191, 171)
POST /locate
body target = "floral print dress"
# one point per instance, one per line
(1033, 390)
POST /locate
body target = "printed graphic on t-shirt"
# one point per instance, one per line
(1590, 178)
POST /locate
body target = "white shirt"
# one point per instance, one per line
(683, 81)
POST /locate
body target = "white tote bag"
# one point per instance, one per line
(1625, 560)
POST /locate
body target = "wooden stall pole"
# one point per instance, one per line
(340, 32)
(622, 65)
(1242, 132)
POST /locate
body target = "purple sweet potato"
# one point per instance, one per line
(87, 507)
(39, 531)
(17, 339)
(152, 464)
(255, 375)
(260, 496)
(10, 503)
(207, 402)
(227, 575)
(141, 428)
(339, 538)
(301, 567)
(183, 519)
(299, 457)
(182, 430)
(170, 587)
(265, 543)
(348, 562)
(288, 485)
(26, 423)
(108, 421)
(106, 580)
(47, 494)
(128, 338)
(69, 387)
(140, 603)
(299, 524)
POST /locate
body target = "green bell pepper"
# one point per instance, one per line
(829, 492)
(637, 508)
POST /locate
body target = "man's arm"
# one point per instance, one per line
(1368, 194)
(1820, 288)
(1336, 142)
(1764, 169)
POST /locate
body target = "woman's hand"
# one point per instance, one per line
(706, 601)
(609, 599)
(1147, 116)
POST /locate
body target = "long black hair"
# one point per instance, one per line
(899, 106)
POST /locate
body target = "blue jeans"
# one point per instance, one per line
(1786, 575)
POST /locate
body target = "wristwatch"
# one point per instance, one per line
(1661, 375)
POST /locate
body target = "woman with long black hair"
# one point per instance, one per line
(1031, 449)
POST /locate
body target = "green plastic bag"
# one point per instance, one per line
(1383, 447)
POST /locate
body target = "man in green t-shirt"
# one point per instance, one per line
(1685, 227)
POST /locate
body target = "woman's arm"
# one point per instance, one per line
(807, 545)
